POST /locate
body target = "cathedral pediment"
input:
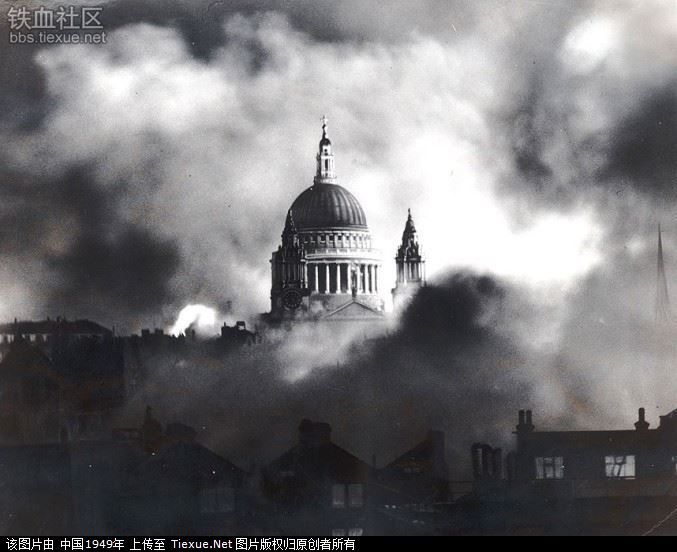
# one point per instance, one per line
(354, 310)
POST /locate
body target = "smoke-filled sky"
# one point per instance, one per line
(535, 142)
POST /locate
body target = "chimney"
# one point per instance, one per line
(314, 434)
(525, 424)
(641, 424)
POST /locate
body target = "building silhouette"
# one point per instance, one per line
(618, 462)
(573, 482)
(136, 481)
(318, 488)
(65, 380)
(52, 334)
(33, 406)
(419, 478)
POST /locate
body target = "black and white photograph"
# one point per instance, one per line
(283, 274)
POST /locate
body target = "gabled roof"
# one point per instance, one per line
(188, 461)
(353, 310)
(424, 451)
(324, 460)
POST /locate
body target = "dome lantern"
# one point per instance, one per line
(326, 171)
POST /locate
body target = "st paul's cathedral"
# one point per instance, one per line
(326, 268)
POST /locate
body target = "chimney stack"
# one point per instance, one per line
(641, 424)
(525, 424)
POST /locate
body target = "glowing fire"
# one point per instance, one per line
(200, 315)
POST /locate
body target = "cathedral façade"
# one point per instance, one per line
(326, 267)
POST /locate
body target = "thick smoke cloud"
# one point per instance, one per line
(90, 263)
(536, 143)
(452, 364)
(198, 147)
(645, 144)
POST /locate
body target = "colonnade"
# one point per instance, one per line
(337, 277)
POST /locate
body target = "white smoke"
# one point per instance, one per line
(228, 145)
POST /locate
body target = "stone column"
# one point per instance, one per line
(338, 277)
(369, 282)
(328, 281)
(376, 278)
(316, 283)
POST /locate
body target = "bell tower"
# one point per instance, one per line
(409, 264)
(290, 274)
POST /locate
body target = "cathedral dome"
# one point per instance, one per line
(326, 265)
(328, 206)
